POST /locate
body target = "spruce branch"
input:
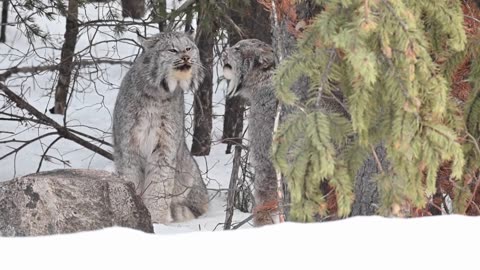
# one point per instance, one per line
(402, 23)
(403, 87)
(324, 78)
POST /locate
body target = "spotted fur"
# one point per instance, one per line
(148, 129)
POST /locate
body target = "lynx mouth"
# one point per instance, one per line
(228, 73)
(184, 67)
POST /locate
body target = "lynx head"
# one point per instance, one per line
(172, 60)
(246, 57)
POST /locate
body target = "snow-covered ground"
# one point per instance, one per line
(446, 242)
(360, 243)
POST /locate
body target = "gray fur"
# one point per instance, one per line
(149, 129)
(248, 66)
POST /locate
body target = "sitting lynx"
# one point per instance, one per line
(248, 67)
(148, 129)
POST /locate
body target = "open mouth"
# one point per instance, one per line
(183, 67)
(227, 66)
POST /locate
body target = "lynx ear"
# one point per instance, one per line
(145, 42)
(149, 43)
(190, 32)
(266, 58)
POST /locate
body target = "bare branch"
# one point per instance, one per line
(46, 151)
(26, 143)
(37, 69)
(63, 131)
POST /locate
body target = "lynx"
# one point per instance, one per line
(148, 129)
(248, 67)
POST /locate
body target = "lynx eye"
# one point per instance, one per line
(173, 51)
(188, 49)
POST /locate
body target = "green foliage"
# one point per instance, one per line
(382, 56)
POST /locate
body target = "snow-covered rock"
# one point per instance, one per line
(67, 201)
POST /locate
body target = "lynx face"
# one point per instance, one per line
(173, 61)
(248, 55)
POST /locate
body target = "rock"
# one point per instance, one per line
(67, 201)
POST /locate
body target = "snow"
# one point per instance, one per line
(360, 242)
(356, 243)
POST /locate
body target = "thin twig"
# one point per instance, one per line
(243, 222)
(281, 213)
(26, 143)
(377, 160)
(61, 130)
(14, 70)
(45, 153)
(473, 194)
(232, 191)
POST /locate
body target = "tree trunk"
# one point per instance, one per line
(66, 63)
(188, 28)
(202, 103)
(159, 13)
(133, 8)
(3, 29)
(233, 122)
(366, 190)
(254, 22)
(284, 44)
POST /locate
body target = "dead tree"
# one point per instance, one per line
(3, 29)
(159, 10)
(133, 8)
(66, 64)
(202, 103)
(254, 22)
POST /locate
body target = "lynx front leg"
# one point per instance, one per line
(130, 169)
(159, 184)
(266, 200)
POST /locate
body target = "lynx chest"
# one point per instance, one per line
(159, 127)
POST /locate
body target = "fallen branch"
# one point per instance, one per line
(62, 131)
(37, 69)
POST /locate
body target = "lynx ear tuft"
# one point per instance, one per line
(190, 32)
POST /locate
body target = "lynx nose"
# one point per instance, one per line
(185, 58)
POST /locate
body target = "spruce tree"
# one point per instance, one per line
(389, 64)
